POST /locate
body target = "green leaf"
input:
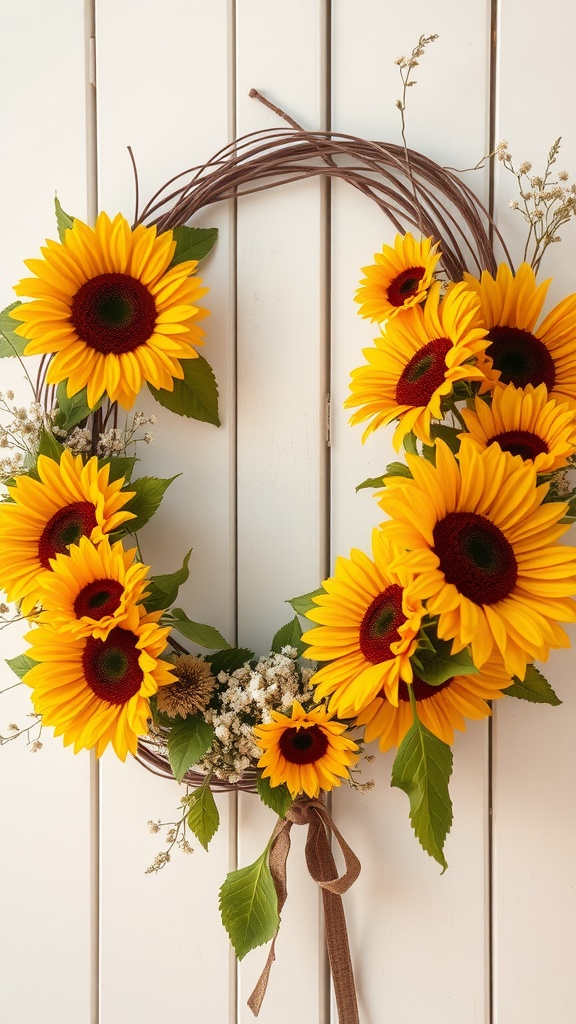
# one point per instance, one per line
(249, 906)
(63, 220)
(49, 446)
(163, 590)
(197, 632)
(229, 660)
(374, 481)
(21, 664)
(11, 344)
(437, 665)
(196, 396)
(149, 493)
(409, 443)
(203, 819)
(72, 411)
(189, 739)
(422, 769)
(447, 434)
(534, 687)
(278, 798)
(120, 467)
(289, 636)
(304, 604)
(429, 453)
(192, 243)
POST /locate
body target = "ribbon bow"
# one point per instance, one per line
(322, 868)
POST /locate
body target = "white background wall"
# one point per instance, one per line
(85, 936)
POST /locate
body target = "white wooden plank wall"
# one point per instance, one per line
(172, 82)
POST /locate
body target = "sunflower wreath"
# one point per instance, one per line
(466, 584)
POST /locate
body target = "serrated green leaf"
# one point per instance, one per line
(429, 453)
(63, 220)
(121, 467)
(163, 590)
(149, 493)
(372, 481)
(71, 411)
(203, 818)
(534, 687)
(249, 906)
(437, 665)
(447, 434)
(21, 664)
(49, 446)
(229, 660)
(188, 741)
(192, 243)
(289, 636)
(196, 396)
(278, 798)
(409, 443)
(304, 604)
(197, 632)
(11, 344)
(422, 769)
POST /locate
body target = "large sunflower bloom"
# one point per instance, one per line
(369, 625)
(441, 708)
(307, 751)
(416, 362)
(45, 516)
(399, 279)
(95, 692)
(482, 546)
(525, 422)
(519, 352)
(110, 310)
(92, 589)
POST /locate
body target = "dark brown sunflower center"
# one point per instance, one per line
(113, 313)
(303, 746)
(99, 598)
(521, 358)
(423, 374)
(475, 557)
(520, 442)
(404, 285)
(111, 666)
(65, 528)
(380, 625)
(422, 690)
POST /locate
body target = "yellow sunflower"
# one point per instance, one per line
(110, 310)
(45, 516)
(399, 279)
(95, 692)
(482, 546)
(92, 589)
(519, 352)
(416, 362)
(369, 625)
(525, 422)
(441, 708)
(307, 751)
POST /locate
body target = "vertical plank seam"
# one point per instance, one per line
(233, 845)
(92, 210)
(493, 83)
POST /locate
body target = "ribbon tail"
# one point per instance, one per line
(279, 850)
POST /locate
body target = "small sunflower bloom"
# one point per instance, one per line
(441, 709)
(95, 692)
(482, 545)
(520, 351)
(45, 516)
(415, 364)
(306, 750)
(110, 310)
(524, 422)
(369, 626)
(399, 279)
(92, 589)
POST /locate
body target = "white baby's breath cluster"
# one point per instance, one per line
(20, 431)
(246, 698)
(112, 442)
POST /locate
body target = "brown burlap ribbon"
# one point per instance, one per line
(322, 868)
